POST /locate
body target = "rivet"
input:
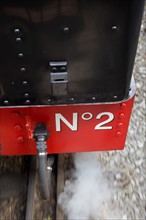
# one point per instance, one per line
(6, 102)
(93, 98)
(118, 133)
(115, 97)
(63, 68)
(18, 39)
(27, 101)
(114, 28)
(54, 69)
(22, 69)
(24, 82)
(123, 105)
(71, 99)
(26, 95)
(121, 115)
(120, 124)
(18, 127)
(20, 139)
(16, 30)
(66, 30)
(20, 55)
(49, 100)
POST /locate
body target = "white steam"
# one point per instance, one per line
(88, 195)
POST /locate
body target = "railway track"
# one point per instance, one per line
(26, 191)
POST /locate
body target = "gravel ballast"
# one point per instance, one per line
(130, 173)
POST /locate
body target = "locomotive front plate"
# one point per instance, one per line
(72, 128)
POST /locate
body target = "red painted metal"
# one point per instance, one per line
(17, 125)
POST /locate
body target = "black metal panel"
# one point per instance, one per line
(97, 38)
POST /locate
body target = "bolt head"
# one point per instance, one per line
(20, 140)
(22, 69)
(20, 55)
(18, 39)
(16, 30)
(121, 115)
(27, 101)
(24, 82)
(26, 95)
(18, 127)
(6, 102)
(118, 133)
(66, 30)
(123, 105)
(120, 124)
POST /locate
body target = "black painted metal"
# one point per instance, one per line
(97, 38)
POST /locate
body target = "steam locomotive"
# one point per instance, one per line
(66, 76)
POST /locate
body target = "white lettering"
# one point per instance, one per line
(59, 117)
(100, 125)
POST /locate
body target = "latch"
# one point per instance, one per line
(59, 78)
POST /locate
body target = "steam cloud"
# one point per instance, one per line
(88, 195)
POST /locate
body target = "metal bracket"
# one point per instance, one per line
(59, 78)
(59, 72)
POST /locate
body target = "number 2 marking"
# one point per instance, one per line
(100, 125)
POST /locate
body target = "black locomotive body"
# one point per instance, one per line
(53, 50)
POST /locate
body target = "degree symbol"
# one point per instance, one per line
(87, 116)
